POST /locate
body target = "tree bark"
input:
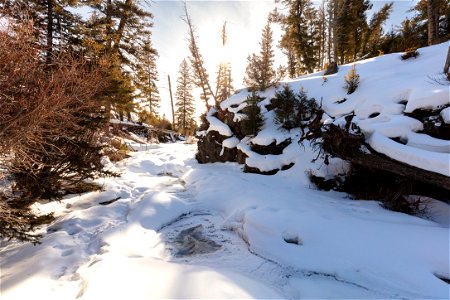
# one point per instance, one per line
(447, 64)
(431, 15)
(171, 102)
(121, 27)
(49, 32)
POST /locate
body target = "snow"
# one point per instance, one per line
(445, 114)
(278, 238)
(229, 143)
(389, 88)
(217, 125)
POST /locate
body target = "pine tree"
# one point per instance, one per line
(260, 73)
(351, 26)
(56, 28)
(224, 86)
(374, 34)
(351, 80)
(147, 76)
(224, 82)
(118, 33)
(185, 109)
(433, 20)
(305, 109)
(286, 103)
(253, 120)
(301, 40)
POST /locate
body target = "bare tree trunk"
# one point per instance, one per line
(431, 15)
(49, 32)
(334, 25)
(447, 64)
(171, 102)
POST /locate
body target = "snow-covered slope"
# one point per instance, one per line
(275, 238)
(389, 87)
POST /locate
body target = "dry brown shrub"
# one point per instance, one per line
(50, 121)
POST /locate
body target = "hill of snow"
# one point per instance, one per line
(389, 88)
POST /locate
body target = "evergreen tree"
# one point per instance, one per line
(375, 30)
(185, 109)
(253, 120)
(301, 40)
(56, 28)
(351, 26)
(305, 108)
(224, 82)
(433, 20)
(286, 103)
(147, 76)
(224, 86)
(260, 73)
(118, 33)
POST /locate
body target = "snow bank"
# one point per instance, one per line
(217, 125)
(389, 88)
(299, 242)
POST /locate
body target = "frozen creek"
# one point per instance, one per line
(171, 228)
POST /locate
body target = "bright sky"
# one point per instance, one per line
(245, 20)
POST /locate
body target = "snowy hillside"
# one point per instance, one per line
(170, 227)
(389, 88)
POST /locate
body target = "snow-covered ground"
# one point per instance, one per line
(248, 236)
(389, 89)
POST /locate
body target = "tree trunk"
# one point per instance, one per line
(171, 102)
(49, 32)
(447, 64)
(431, 15)
(335, 13)
(121, 27)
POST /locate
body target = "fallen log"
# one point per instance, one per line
(348, 146)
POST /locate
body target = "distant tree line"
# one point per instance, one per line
(340, 32)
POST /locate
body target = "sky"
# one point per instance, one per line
(245, 21)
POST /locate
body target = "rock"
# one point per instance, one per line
(210, 149)
(273, 148)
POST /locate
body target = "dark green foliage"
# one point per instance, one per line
(253, 120)
(185, 109)
(372, 38)
(18, 223)
(351, 27)
(351, 80)
(146, 76)
(306, 109)
(301, 38)
(294, 110)
(118, 35)
(286, 102)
